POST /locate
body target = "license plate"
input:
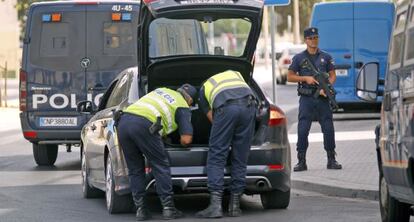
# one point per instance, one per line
(341, 72)
(58, 121)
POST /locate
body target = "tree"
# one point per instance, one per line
(21, 7)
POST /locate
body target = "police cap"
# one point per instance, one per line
(311, 31)
(190, 90)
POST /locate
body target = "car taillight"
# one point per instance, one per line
(22, 90)
(276, 117)
(287, 61)
(275, 167)
(30, 134)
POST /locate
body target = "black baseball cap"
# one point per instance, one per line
(311, 31)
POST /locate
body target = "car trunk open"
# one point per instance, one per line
(174, 72)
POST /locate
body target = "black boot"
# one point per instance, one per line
(301, 166)
(168, 209)
(234, 205)
(142, 212)
(332, 163)
(214, 210)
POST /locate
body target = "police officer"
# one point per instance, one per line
(309, 106)
(140, 128)
(228, 103)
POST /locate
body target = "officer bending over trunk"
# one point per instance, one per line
(140, 128)
(228, 103)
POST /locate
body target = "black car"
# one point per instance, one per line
(195, 40)
(395, 133)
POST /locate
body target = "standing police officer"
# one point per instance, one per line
(228, 103)
(161, 111)
(309, 106)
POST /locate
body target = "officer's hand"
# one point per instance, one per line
(322, 93)
(186, 140)
(310, 80)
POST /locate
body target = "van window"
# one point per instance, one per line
(398, 40)
(54, 40)
(118, 39)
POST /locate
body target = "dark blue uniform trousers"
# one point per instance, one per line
(310, 107)
(136, 142)
(233, 124)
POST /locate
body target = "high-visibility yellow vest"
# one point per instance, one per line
(223, 81)
(162, 102)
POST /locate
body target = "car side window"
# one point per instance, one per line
(397, 43)
(119, 93)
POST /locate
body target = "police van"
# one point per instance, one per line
(354, 33)
(395, 134)
(72, 51)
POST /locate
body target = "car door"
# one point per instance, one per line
(116, 97)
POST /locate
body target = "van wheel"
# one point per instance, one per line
(45, 155)
(391, 209)
(275, 199)
(87, 190)
(115, 203)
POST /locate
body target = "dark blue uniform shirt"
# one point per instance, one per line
(321, 60)
(183, 119)
(222, 97)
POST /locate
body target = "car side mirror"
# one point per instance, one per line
(85, 107)
(218, 50)
(367, 82)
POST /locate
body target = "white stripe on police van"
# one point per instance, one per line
(339, 136)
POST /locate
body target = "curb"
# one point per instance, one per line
(336, 191)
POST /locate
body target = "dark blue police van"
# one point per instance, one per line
(354, 33)
(72, 51)
(395, 133)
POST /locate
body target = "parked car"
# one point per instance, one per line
(72, 51)
(286, 59)
(395, 135)
(354, 33)
(176, 62)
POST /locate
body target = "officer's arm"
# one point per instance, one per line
(210, 116)
(185, 128)
(293, 77)
(332, 77)
(204, 106)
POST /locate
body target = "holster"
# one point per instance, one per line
(305, 91)
(156, 127)
(117, 116)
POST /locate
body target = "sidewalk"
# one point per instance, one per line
(357, 179)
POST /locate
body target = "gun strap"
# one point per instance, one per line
(311, 60)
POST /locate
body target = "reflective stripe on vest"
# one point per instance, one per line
(161, 102)
(220, 82)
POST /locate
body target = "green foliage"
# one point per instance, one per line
(21, 7)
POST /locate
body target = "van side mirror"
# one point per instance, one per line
(367, 82)
(387, 102)
(84, 107)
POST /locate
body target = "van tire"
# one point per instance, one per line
(391, 209)
(45, 155)
(275, 199)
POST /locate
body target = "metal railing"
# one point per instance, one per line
(4, 96)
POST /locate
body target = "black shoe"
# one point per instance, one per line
(301, 166)
(332, 163)
(234, 205)
(169, 211)
(142, 212)
(214, 210)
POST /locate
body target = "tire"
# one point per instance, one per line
(115, 203)
(45, 155)
(391, 209)
(275, 199)
(87, 190)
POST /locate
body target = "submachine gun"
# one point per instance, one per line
(322, 78)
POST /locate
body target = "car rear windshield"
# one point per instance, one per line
(172, 37)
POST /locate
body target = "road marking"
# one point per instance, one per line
(339, 136)
(33, 178)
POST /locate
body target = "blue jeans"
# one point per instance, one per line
(233, 125)
(136, 142)
(310, 107)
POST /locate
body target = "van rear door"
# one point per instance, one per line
(55, 46)
(111, 44)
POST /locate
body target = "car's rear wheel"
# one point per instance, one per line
(275, 199)
(45, 154)
(87, 190)
(391, 209)
(115, 203)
